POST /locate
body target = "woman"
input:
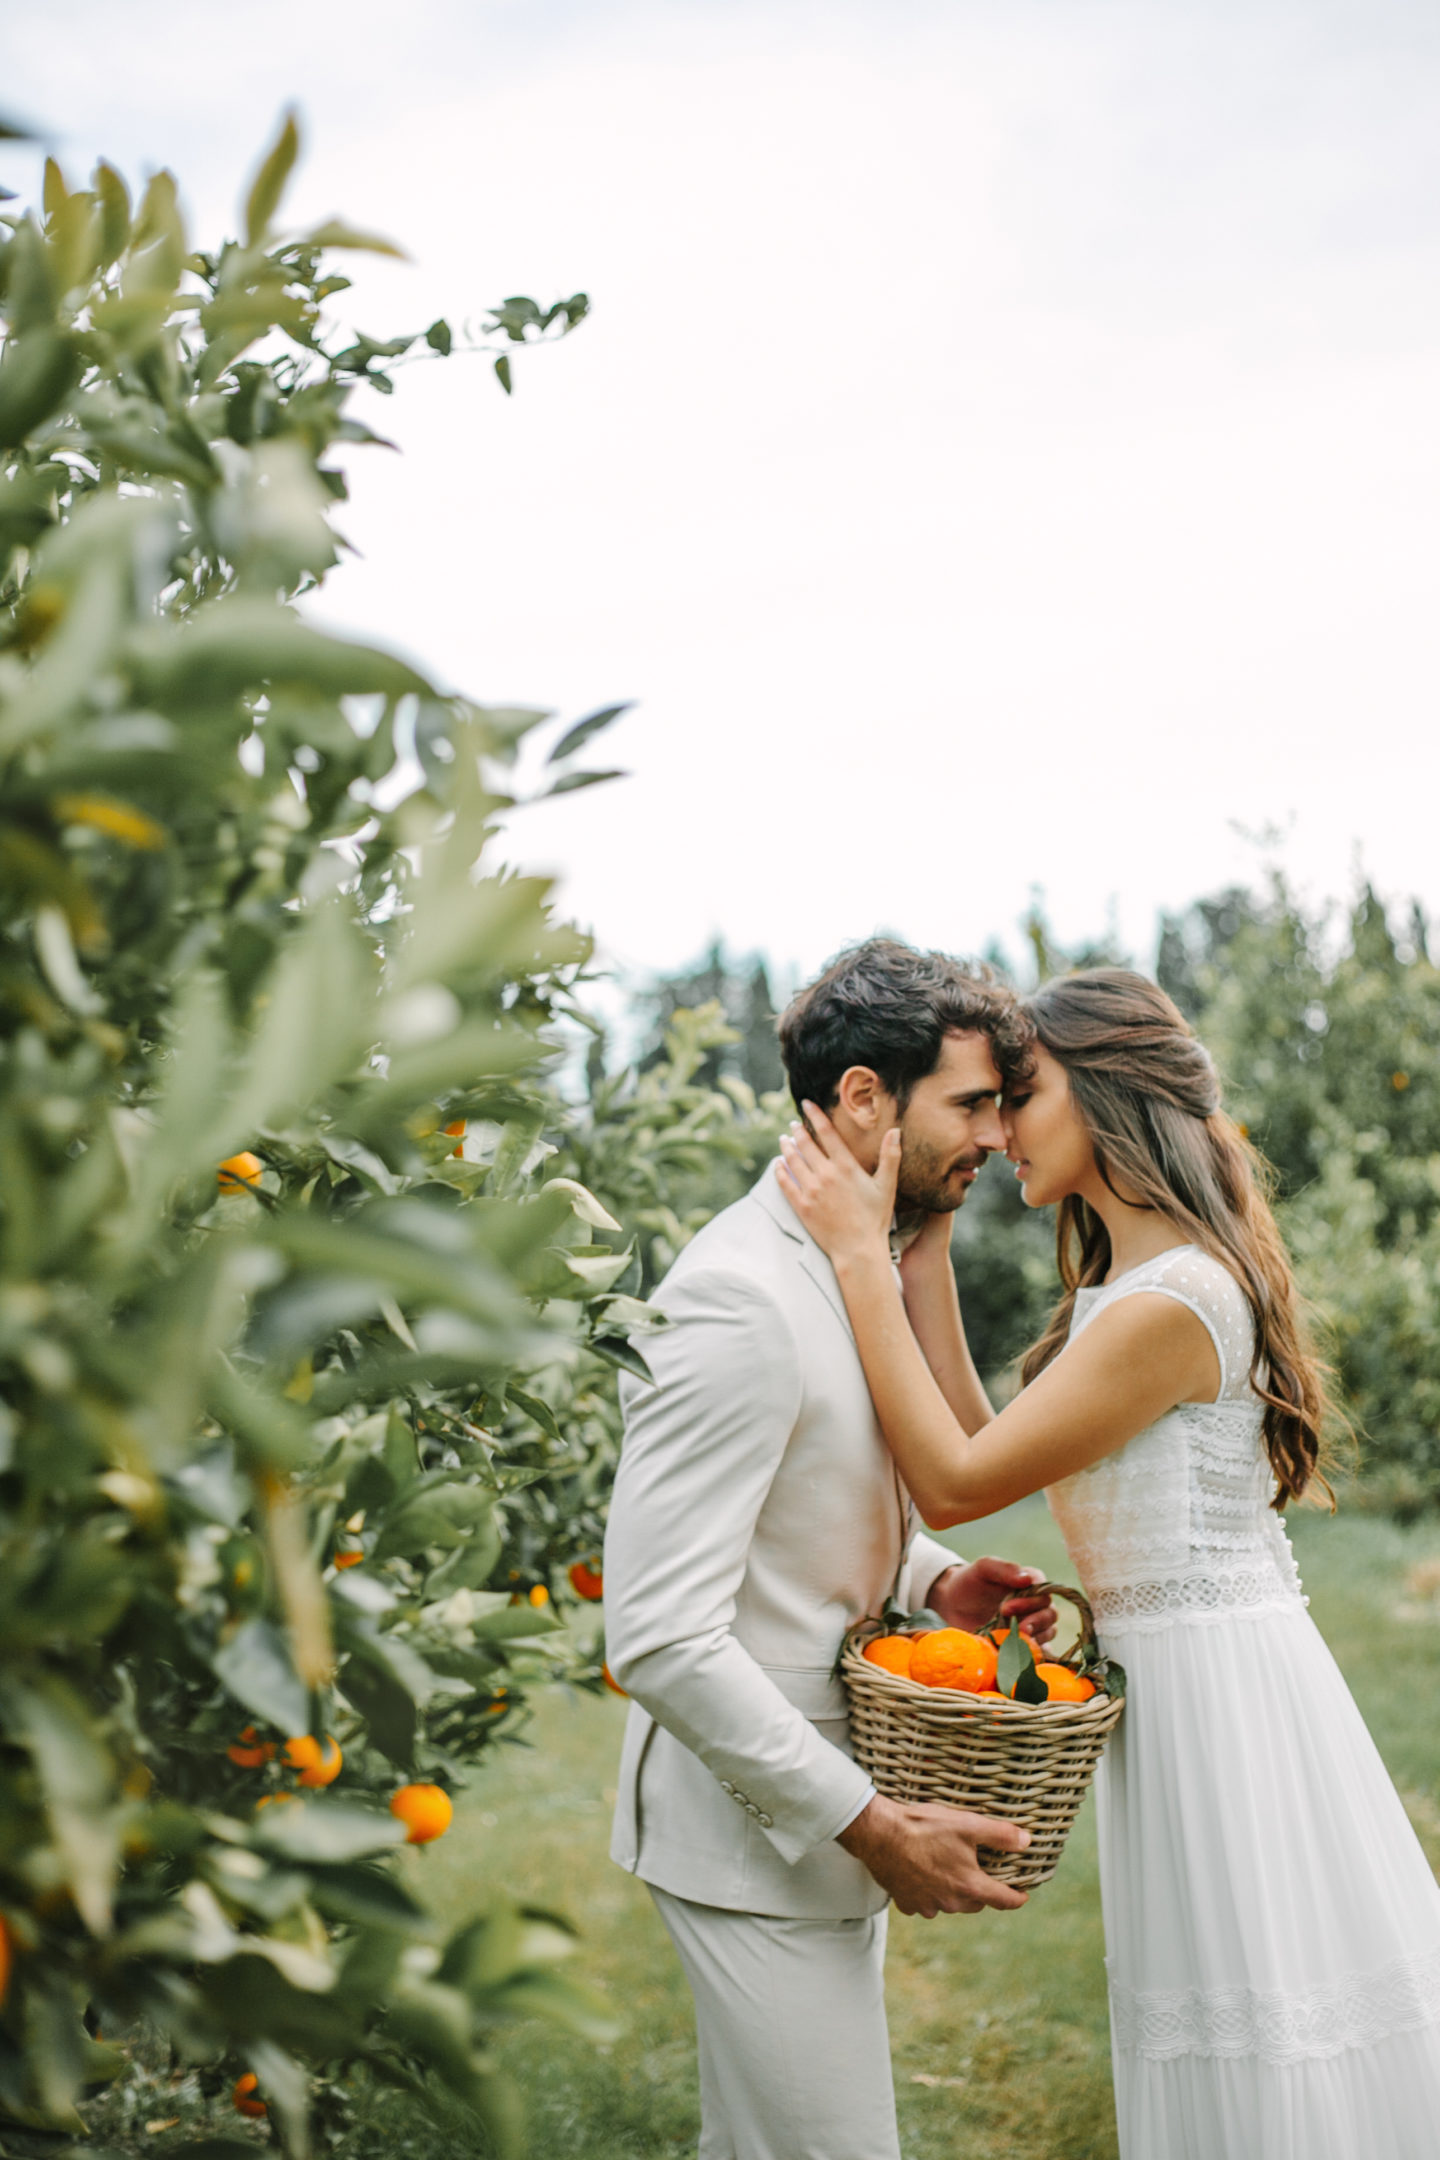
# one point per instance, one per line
(1272, 1926)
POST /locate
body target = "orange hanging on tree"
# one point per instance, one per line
(587, 1581)
(250, 1753)
(316, 1765)
(427, 1812)
(240, 1170)
(246, 2096)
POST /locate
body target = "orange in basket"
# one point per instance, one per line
(950, 1657)
(1062, 1685)
(892, 1653)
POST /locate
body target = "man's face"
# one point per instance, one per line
(949, 1126)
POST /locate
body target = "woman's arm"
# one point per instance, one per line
(934, 1309)
(1132, 1364)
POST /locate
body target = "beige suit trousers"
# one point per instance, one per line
(790, 2018)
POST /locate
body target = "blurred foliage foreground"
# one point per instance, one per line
(294, 1458)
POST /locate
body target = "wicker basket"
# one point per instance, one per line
(1028, 1763)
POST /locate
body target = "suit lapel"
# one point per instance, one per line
(767, 1195)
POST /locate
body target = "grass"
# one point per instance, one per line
(998, 2023)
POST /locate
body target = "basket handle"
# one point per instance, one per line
(1089, 1641)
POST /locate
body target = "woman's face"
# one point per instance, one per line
(1045, 1137)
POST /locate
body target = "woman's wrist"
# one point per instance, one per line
(864, 1256)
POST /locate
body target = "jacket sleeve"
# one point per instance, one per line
(701, 1450)
(925, 1559)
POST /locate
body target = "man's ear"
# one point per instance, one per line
(865, 1100)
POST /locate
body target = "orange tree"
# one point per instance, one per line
(290, 1452)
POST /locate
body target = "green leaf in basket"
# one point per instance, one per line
(1013, 1663)
(1030, 1687)
(923, 1621)
(1112, 1678)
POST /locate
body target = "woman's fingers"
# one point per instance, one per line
(825, 1136)
(809, 1151)
(887, 1173)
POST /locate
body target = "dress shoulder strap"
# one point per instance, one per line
(1209, 1290)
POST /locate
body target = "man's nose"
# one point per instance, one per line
(989, 1131)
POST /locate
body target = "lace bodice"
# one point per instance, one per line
(1177, 1524)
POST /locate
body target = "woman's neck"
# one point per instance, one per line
(1137, 1234)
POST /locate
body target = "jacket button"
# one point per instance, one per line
(726, 1786)
(766, 1822)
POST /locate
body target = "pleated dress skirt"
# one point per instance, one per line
(1272, 1924)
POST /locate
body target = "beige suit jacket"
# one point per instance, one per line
(757, 1513)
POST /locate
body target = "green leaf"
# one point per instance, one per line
(287, 2093)
(236, 644)
(438, 336)
(388, 1708)
(269, 183)
(114, 198)
(325, 1831)
(37, 372)
(564, 2002)
(76, 1775)
(361, 1896)
(255, 1666)
(582, 731)
(517, 1623)
(334, 233)
(536, 1410)
(502, 370)
(54, 194)
(617, 1351)
(1014, 1663)
(570, 781)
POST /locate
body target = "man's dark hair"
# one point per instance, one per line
(885, 1005)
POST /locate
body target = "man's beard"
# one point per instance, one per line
(929, 1181)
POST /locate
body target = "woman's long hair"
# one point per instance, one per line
(1150, 1100)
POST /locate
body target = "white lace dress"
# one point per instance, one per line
(1272, 1926)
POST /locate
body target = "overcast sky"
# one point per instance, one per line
(1003, 454)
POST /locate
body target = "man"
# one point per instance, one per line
(756, 1515)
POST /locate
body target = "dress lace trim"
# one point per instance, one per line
(1231, 1594)
(1358, 2010)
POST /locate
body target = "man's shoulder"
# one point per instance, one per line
(743, 1241)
